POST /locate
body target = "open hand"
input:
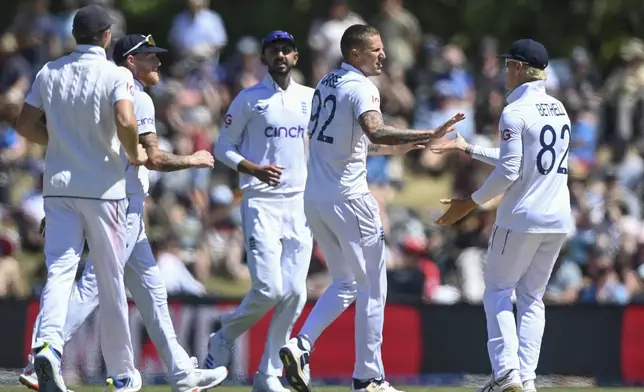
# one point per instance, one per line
(458, 208)
(448, 126)
(457, 144)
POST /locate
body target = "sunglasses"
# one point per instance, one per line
(508, 61)
(148, 40)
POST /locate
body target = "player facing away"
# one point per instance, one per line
(88, 103)
(264, 138)
(532, 220)
(346, 124)
(138, 53)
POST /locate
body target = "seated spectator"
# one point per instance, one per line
(177, 277)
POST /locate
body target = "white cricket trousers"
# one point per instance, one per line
(278, 252)
(519, 262)
(143, 279)
(351, 238)
(71, 221)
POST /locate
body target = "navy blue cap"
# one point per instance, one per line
(134, 44)
(275, 36)
(528, 51)
(90, 20)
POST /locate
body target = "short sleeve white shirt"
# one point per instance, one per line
(77, 94)
(137, 178)
(338, 147)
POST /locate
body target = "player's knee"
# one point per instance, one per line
(347, 289)
(528, 298)
(271, 294)
(495, 295)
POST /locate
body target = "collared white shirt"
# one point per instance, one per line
(268, 125)
(137, 178)
(338, 147)
(77, 93)
(531, 165)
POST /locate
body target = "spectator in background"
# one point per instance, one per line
(245, 69)
(565, 282)
(454, 64)
(64, 22)
(12, 146)
(325, 35)
(224, 235)
(11, 284)
(15, 70)
(604, 286)
(623, 96)
(178, 280)
(198, 31)
(35, 30)
(400, 32)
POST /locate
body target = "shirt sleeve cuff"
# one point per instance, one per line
(477, 198)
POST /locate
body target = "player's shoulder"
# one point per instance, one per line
(303, 90)
(253, 92)
(143, 99)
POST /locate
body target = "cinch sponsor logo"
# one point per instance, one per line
(144, 121)
(292, 132)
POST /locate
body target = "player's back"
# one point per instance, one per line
(539, 200)
(338, 147)
(83, 152)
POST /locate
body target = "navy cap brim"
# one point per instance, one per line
(149, 49)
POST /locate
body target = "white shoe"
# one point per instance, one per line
(200, 380)
(528, 386)
(265, 383)
(49, 374)
(28, 377)
(219, 352)
(376, 386)
(295, 358)
(510, 382)
(128, 384)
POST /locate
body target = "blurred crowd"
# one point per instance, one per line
(193, 218)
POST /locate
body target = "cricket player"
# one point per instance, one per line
(264, 138)
(532, 221)
(138, 53)
(88, 103)
(346, 124)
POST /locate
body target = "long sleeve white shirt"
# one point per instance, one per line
(268, 125)
(531, 165)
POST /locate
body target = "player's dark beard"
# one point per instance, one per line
(275, 70)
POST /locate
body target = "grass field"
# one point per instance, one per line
(338, 389)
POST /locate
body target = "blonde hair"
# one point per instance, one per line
(532, 74)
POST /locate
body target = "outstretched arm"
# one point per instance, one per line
(378, 132)
(165, 161)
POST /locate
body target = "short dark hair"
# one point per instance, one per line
(93, 39)
(355, 37)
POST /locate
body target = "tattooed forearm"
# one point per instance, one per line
(160, 160)
(379, 133)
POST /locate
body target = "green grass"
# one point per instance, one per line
(337, 389)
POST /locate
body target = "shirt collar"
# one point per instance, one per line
(139, 86)
(90, 49)
(349, 67)
(526, 88)
(268, 81)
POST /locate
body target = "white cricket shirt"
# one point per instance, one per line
(338, 147)
(267, 125)
(77, 93)
(532, 166)
(137, 178)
